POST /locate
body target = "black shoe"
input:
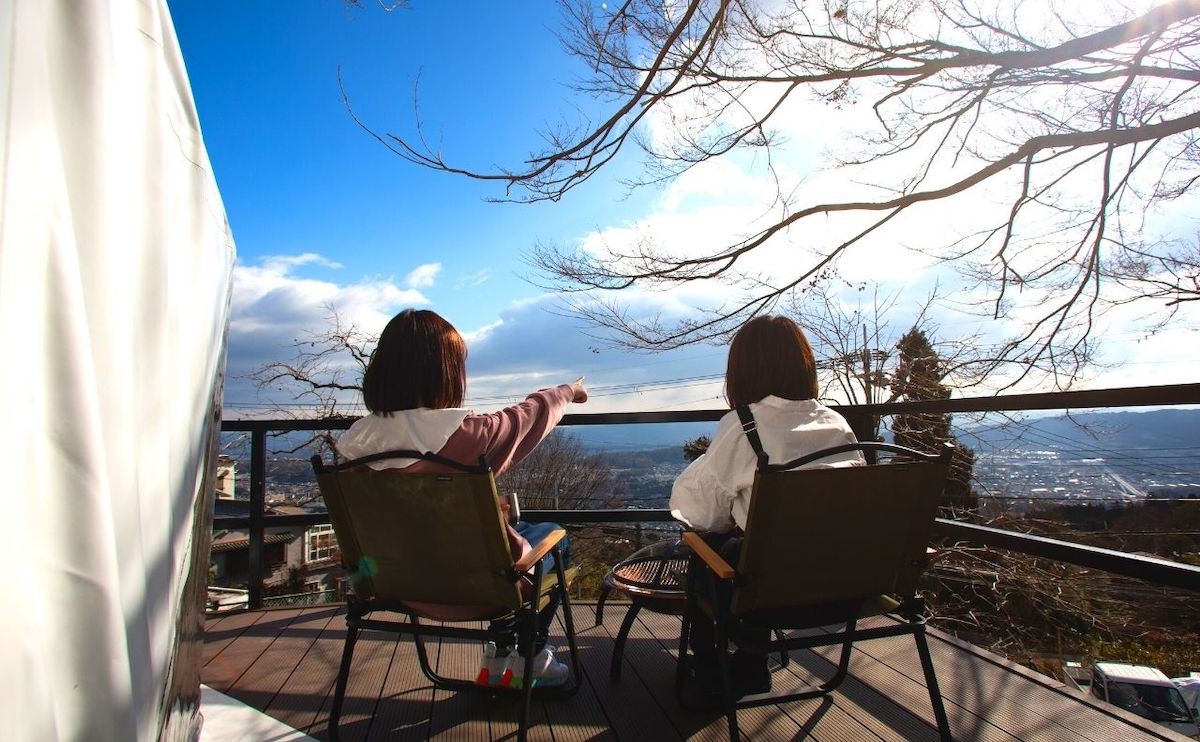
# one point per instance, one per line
(750, 673)
(701, 689)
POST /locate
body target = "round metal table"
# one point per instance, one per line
(652, 578)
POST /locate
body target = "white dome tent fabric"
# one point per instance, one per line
(1190, 688)
(115, 266)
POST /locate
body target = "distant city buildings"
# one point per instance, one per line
(302, 560)
(300, 564)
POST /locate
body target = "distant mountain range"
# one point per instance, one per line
(1082, 432)
(639, 437)
(1091, 432)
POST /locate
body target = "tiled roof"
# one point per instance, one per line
(244, 543)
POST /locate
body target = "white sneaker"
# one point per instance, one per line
(494, 670)
(548, 672)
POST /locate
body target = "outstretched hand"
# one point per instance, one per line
(580, 393)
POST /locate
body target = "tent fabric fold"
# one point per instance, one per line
(115, 268)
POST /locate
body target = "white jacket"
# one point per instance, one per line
(713, 493)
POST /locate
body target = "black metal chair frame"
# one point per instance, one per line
(359, 610)
(707, 568)
(649, 594)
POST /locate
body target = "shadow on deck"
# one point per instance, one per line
(283, 662)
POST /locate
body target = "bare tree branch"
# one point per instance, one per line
(1047, 103)
(322, 379)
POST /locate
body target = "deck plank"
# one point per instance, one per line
(969, 687)
(284, 662)
(243, 649)
(457, 715)
(628, 709)
(581, 716)
(264, 678)
(851, 712)
(986, 700)
(303, 697)
(220, 632)
(819, 719)
(373, 655)
(653, 662)
(406, 699)
(910, 693)
(1024, 704)
(1032, 696)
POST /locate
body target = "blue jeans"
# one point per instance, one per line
(703, 639)
(534, 533)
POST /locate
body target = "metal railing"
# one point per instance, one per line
(221, 599)
(316, 597)
(862, 418)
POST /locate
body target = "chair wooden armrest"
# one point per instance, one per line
(714, 561)
(543, 548)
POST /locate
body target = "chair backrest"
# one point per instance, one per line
(825, 535)
(430, 538)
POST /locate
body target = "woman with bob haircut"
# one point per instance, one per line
(771, 371)
(414, 387)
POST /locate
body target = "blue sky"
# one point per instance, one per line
(300, 178)
(323, 214)
(297, 175)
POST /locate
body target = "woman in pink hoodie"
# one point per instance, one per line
(414, 387)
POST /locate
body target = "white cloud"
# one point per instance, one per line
(531, 344)
(715, 182)
(271, 309)
(423, 276)
(1136, 353)
(535, 343)
(471, 280)
(285, 262)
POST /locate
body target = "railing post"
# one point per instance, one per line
(864, 426)
(258, 501)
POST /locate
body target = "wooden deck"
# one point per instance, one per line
(284, 661)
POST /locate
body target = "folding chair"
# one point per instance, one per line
(424, 544)
(822, 546)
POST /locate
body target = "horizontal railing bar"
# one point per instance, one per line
(1151, 569)
(611, 515)
(271, 521)
(637, 418)
(1171, 394)
(596, 418)
(286, 425)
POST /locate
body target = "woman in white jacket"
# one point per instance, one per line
(771, 371)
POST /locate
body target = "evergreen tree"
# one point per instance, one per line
(696, 447)
(918, 377)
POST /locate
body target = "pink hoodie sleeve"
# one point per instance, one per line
(509, 435)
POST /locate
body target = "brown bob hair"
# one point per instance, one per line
(420, 361)
(770, 356)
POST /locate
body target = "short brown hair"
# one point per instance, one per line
(420, 361)
(770, 356)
